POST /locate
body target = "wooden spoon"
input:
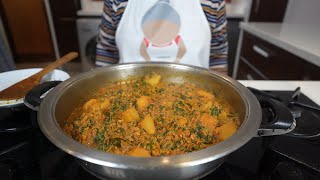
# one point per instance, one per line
(21, 88)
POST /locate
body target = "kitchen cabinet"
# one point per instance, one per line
(261, 60)
(27, 29)
(260, 10)
(268, 10)
(64, 20)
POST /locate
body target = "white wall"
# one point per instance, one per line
(303, 12)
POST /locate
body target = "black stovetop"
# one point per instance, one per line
(27, 154)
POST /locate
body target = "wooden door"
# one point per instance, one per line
(28, 30)
(268, 10)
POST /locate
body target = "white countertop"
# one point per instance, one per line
(302, 40)
(309, 88)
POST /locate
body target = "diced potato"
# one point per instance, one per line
(206, 107)
(226, 130)
(139, 152)
(223, 116)
(209, 121)
(91, 104)
(148, 125)
(152, 79)
(205, 94)
(130, 115)
(143, 102)
(105, 104)
(182, 122)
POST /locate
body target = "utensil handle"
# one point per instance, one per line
(280, 118)
(70, 56)
(33, 98)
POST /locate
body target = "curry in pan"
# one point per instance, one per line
(149, 117)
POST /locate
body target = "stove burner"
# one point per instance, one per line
(306, 114)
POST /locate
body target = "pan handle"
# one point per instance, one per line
(279, 118)
(34, 97)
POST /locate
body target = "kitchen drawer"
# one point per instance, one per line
(247, 72)
(311, 72)
(270, 60)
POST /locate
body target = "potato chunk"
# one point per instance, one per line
(206, 106)
(226, 130)
(130, 115)
(91, 104)
(209, 121)
(152, 79)
(182, 121)
(105, 104)
(223, 116)
(139, 152)
(148, 125)
(143, 102)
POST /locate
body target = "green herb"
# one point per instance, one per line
(160, 119)
(161, 108)
(150, 106)
(179, 109)
(215, 111)
(92, 122)
(180, 103)
(101, 147)
(123, 106)
(99, 139)
(175, 145)
(120, 91)
(120, 130)
(149, 145)
(182, 96)
(115, 142)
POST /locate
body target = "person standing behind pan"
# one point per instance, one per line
(189, 32)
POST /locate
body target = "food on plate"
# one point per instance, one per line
(150, 117)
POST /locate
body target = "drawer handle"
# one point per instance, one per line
(260, 51)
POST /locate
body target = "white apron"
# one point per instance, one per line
(164, 30)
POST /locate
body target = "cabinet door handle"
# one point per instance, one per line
(260, 51)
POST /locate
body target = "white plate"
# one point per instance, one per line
(11, 77)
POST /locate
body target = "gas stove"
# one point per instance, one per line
(26, 154)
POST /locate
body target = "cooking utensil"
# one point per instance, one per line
(20, 89)
(61, 100)
(11, 77)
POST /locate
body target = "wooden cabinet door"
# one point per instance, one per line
(268, 10)
(28, 27)
(64, 20)
(262, 60)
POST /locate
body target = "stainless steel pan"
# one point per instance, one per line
(59, 102)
